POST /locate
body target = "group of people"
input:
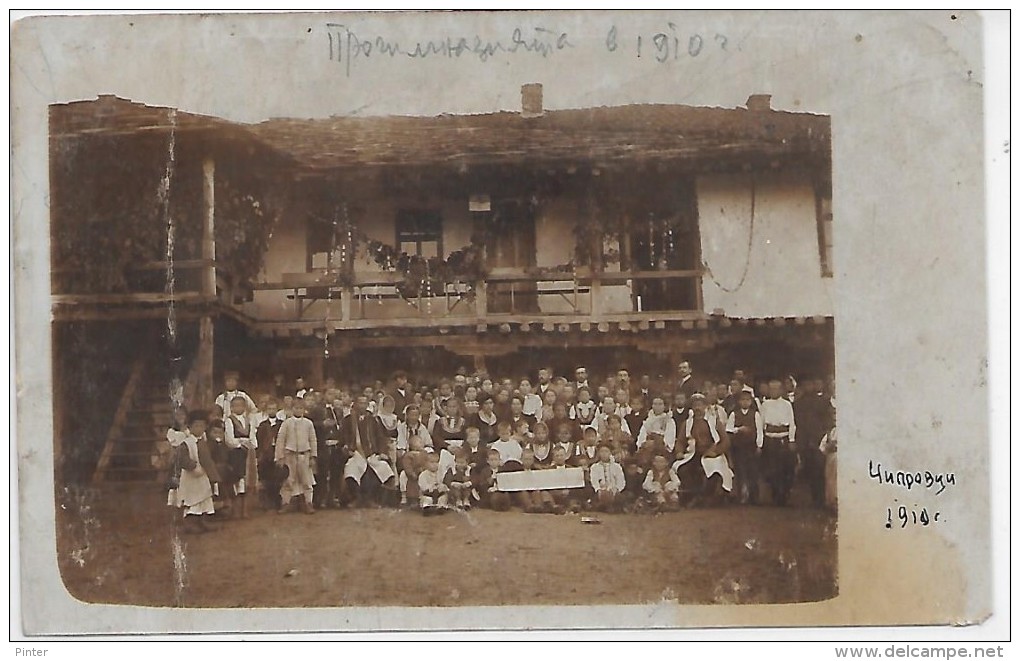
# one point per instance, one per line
(444, 445)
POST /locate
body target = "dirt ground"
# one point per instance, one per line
(119, 546)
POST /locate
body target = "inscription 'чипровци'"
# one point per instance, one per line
(910, 479)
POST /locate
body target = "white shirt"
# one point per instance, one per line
(234, 435)
(509, 450)
(404, 435)
(651, 485)
(607, 477)
(532, 404)
(778, 412)
(658, 424)
(224, 399)
(731, 425)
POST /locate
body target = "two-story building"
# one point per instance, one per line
(352, 246)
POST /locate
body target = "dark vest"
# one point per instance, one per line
(702, 434)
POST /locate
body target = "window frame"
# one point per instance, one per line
(418, 235)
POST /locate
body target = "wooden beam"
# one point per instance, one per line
(209, 224)
(204, 364)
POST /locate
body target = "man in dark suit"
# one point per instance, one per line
(687, 385)
(369, 466)
(814, 417)
(401, 393)
(332, 457)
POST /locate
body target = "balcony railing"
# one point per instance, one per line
(374, 299)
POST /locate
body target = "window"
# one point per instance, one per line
(823, 207)
(420, 232)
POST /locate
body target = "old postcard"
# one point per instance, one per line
(433, 320)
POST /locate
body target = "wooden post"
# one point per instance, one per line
(481, 299)
(204, 365)
(346, 294)
(480, 362)
(209, 226)
(596, 297)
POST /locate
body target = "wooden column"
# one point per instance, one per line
(203, 367)
(481, 300)
(480, 362)
(204, 357)
(209, 225)
(346, 296)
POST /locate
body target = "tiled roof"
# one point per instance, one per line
(602, 134)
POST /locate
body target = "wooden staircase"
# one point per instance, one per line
(142, 418)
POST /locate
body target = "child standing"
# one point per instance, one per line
(269, 474)
(242, 446)
(745, 428)
(608, 481)
(297, 448)
(412, 464)
(194, 495)
(433, 491)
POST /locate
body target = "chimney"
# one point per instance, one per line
(531, 100)
(759, 102)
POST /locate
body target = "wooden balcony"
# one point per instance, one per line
(522, 297)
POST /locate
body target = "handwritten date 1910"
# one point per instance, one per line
(669, 44)
(908, 516)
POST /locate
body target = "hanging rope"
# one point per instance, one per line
(750, 245)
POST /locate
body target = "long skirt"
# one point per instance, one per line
(194, 494)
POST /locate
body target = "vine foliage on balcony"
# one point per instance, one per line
(420, 277)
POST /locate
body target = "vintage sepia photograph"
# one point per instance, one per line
(492, 321)
(535, 357)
